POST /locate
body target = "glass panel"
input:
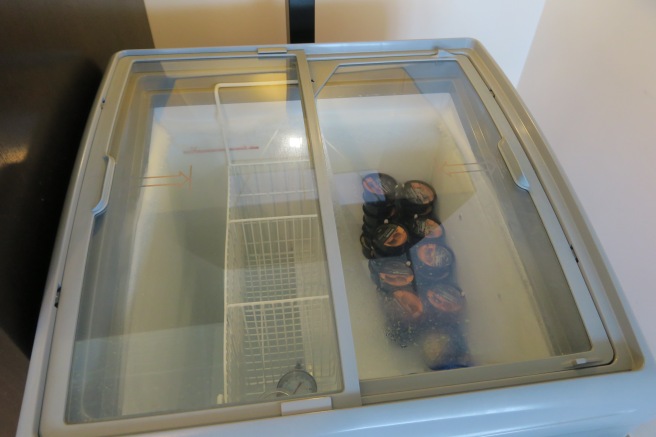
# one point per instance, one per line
(206, 283)
(447, 262)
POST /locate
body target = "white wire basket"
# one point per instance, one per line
(268, 339)
(275, 258)
(272, 189)
(277, 308)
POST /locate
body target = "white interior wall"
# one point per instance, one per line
(590, 82)
(505, 27)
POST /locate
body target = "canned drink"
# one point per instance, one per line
(432, 260)
(404, 312)
(416, 197)
(378, 209)
(389, 239)
(424, 228)
(377, 264)
(377, 220)
(444, 303)
(367, 249)
(378, 188)
(443, 348)
(394, 274)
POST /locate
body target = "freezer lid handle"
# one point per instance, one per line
(106, 187)
(512, 163)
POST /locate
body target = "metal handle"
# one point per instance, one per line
(107, 186)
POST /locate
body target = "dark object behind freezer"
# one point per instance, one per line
(44, 105)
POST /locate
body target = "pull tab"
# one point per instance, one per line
(107, 186)
(513, 165)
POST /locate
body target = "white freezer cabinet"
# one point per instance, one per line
(321, 239)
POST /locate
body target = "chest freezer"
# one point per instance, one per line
(365, 239)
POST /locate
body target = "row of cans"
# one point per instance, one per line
(412, 268)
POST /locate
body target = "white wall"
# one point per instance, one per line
(505, 27)
(205, 23)
(590, 82)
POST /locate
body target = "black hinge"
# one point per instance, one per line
(57, 293)
(576, 258)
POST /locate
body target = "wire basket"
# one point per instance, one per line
(268, 339)
(277, 308)
(278, 258)
(272, 189)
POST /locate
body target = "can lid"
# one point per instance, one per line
(378, 187)
(406, 305)
(445, 298)
(423, 227)
(376, 264)
(416, 193)
(395, 273)
(433, 254)
(390, 237)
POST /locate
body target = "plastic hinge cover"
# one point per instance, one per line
(271, 50)
(306, 406)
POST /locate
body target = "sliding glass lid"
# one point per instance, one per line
(453, 257)
(206, 282)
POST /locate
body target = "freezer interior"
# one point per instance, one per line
(505, 297)
(207, 281)
(206, 284)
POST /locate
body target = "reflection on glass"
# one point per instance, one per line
(447, 263)
(206, 282)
